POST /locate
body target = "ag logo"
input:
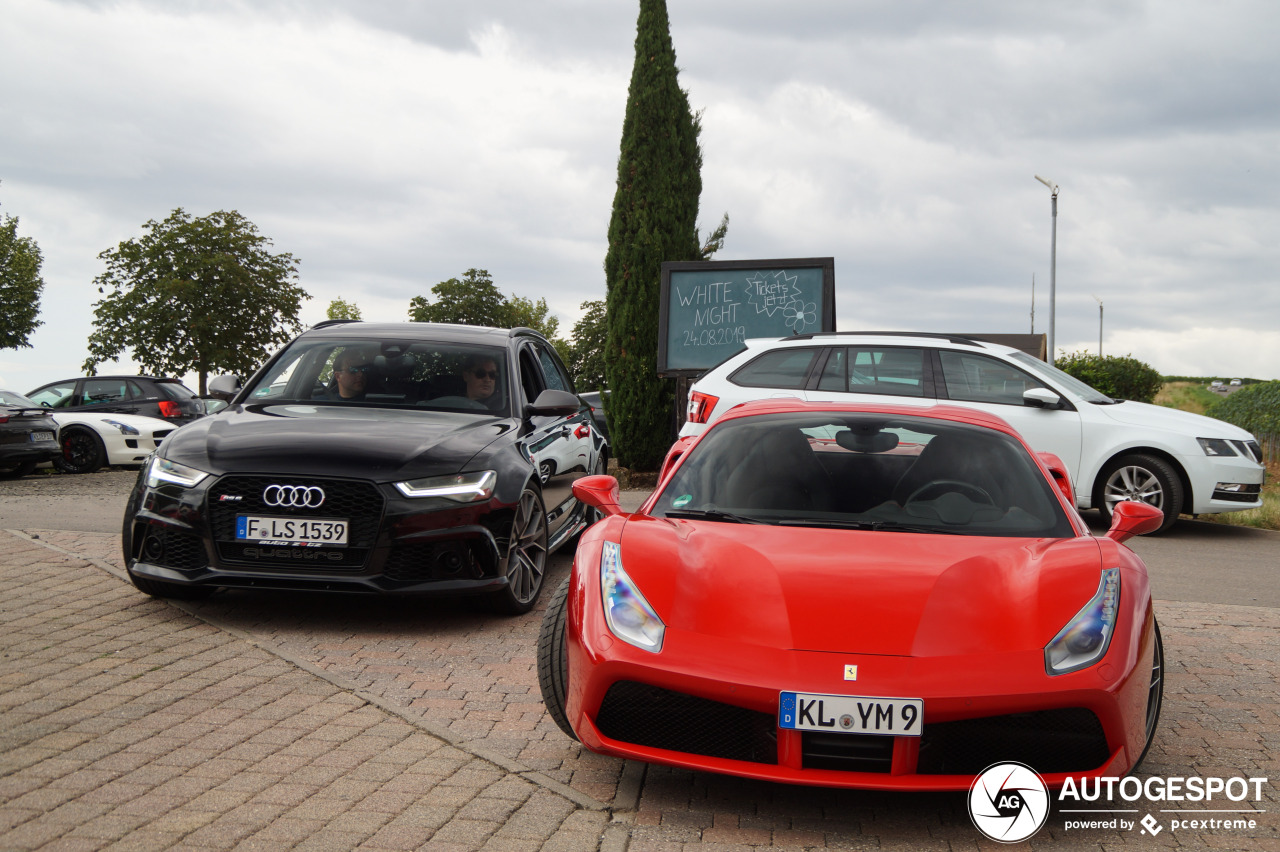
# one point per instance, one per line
(1008, 802)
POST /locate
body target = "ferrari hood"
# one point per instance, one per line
(889, 593)
(375, 443)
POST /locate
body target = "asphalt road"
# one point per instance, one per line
(1194, 562)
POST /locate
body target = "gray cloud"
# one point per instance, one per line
(391, 145)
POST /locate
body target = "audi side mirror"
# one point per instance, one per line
(553, 403)
(224, 387)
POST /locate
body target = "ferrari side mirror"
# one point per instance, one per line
(1133, 517)
(599, 491)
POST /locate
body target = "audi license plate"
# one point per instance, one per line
(850, 714)
(304, 532)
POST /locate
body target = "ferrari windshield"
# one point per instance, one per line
(865, 471)
(383, 373)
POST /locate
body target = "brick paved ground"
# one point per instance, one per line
(255, 721)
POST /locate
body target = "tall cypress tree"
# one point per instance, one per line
(655, 212)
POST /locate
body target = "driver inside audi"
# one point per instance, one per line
(350, 375)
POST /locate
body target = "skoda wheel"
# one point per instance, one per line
(553, 659)
(526, 560)
(1140, 477)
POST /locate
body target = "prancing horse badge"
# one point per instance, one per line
(850, 672)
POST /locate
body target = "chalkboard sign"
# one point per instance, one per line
(708, 309)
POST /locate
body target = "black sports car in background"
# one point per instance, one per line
(28, 435)
(378, 458)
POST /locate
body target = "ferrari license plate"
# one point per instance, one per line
(304, 532)
(851, 714)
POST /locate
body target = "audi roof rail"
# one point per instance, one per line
(329, 322)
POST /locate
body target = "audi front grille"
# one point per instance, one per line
(356, 501)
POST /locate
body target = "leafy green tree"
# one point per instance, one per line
(476, 300)
(1119, 377)
(20, 286)
(520, 311)
(585, 355)
(473, 300)
(198, 295)
(655, 211)
(342, 309)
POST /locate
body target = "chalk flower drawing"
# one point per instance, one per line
(800, 314)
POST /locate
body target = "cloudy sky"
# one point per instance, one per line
(392, 144)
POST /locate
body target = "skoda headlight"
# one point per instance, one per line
(1087, 636)
(1216, 447)
(629, 615)
(459, 487)
(164, 470)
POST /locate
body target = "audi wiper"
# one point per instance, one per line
(711, 515)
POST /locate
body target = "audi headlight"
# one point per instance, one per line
(1087, 636)
(1216, 447)
(163, 470)
(629, 615)
(460, 487)
(125, 428)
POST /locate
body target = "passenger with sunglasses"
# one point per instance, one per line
(480, 372)
(350, 373)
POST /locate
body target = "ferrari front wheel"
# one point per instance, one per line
(1155, 696)
(553, 659)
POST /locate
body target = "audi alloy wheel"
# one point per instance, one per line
(526, 560)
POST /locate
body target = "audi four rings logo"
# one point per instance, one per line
(294, 496)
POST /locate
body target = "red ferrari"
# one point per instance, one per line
(857, 596)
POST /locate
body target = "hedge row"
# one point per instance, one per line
(1252, 407)
(1118, 377)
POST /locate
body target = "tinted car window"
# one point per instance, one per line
(556, 378)
(412, 374)
(887, 370)
(175, 390)
(866, 471)
(104, 391)
(781, 368)
(55, 396)
(977, 378)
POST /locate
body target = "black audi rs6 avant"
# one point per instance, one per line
(376, 458)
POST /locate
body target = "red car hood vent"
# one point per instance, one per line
(887, 593)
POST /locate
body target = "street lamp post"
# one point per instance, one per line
(1053, 262)
(1099, 301)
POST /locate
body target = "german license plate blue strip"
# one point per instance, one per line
(850, 714)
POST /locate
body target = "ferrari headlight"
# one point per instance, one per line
(629, 615)
(1087, 636)
(163, 470)
(1216, 447)
(125, 428)
(459, 487)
